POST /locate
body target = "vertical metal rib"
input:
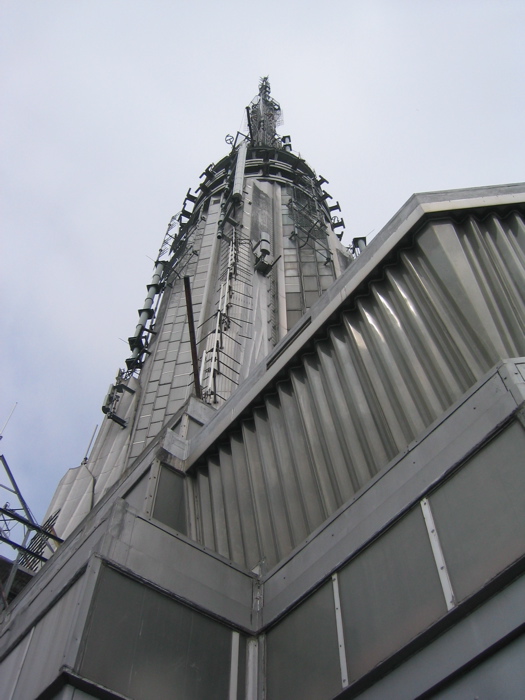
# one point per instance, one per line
(431, 324)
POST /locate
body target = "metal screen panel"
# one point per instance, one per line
(147, 646)
(480, 512)
(170, 500)
(389, 594)
(137, 494)
(302, 651)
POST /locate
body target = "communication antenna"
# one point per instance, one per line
(7, 421)
(34, 542)
(89, 446)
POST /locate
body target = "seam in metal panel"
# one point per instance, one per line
(234, 666)
(247, 512)
(315, 441)
(339, 466)
(354, 456)
(297, 519)
(273, 484)
(437, 552)
(299, 451)
(340, 632)
(347, 342)
(265, 523)
(218, 506)
(231, 506)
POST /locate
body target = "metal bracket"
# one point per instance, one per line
(439, 558)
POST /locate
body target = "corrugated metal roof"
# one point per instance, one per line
(431, 318)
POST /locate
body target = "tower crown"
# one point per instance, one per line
(264, 116)
(248, 255)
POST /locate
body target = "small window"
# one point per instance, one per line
(170, 500)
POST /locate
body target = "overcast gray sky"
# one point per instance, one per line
(111, 109)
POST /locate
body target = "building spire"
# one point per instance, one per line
(264, 115)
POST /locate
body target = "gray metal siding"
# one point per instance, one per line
(428, 325)
(35, 662)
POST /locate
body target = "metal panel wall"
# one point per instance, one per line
(39, 656)
(502, 676)
(434, 318)
(480, 512)
(389, 594)
(393, 592)
(142, 643)
(302, 651)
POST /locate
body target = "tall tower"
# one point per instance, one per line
(257, 245)
(341, 514)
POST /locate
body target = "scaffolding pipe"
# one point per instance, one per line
(21, 548)
(30, 524)
(14, 568)
(16, 490)
(238, 181)
(193, 343)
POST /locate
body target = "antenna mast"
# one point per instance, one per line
(265, 115)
